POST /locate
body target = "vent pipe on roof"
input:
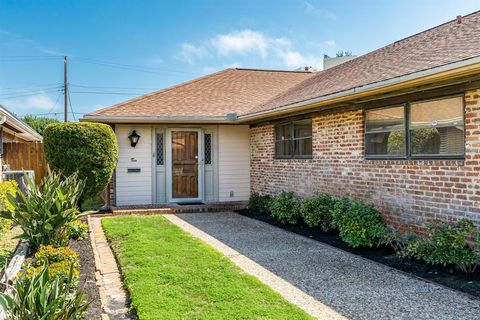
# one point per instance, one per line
(459, 19)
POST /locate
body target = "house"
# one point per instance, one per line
(13, 130)
(398, 127)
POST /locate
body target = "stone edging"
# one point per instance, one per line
(14, 266)
(113, 298)
(291, 293)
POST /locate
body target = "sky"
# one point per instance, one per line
(121, 49)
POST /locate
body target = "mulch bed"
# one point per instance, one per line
(446, 276)
(87, 277)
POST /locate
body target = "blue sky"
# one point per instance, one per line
(120, 49)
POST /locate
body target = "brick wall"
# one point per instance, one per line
(407, 192)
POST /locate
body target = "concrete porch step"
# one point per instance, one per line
(179, 208)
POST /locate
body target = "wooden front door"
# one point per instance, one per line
(184, 164)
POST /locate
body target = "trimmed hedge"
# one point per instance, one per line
(359, 225)
(88, 149)
(285, 207)
(455, 244)
(316, 211)
(259, 203)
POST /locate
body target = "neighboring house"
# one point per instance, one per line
(13, 130)
(398, 127)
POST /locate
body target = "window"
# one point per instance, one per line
(159, 151)
(435, 129)
(294, 139)
(208, 148)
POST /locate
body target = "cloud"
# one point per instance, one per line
(241, 42)
(250, 43)
(312, 9)
(189, 52)
(38, 103)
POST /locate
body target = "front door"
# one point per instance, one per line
(184, 164)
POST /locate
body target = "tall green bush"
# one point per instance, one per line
(359, 225)
(45, 212)
(88, 149)
(285, 207)
(316, 211)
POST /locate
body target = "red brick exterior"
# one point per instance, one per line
(407, 192)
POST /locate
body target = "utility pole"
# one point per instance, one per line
(65, 89)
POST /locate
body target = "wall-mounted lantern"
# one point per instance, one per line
(133, 137)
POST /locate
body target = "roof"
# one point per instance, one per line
(17, 127)
(247, 92)
(215, 95)
(442, 45)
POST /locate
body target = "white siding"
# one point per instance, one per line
(134, 188)
(233, 163)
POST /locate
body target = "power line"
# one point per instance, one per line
(106, 92)
(55, 104)
(30, 87)
(28, 94)
(131, 67)
(109, 87)
(71, 108)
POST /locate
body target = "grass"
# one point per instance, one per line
(172, 275)
(8, 244)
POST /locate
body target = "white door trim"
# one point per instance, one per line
(169, 179)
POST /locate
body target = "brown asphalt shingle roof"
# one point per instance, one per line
(245, 91)
(215, 95)
(444, 44)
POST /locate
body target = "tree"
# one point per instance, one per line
(38, 123)
(88, 149)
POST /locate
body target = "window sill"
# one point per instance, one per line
(416, 161)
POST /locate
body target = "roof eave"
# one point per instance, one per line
(26, 132)
(449, 71)
(149, 119)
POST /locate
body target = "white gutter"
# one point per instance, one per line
(119, 119)
(28, 132)
(368, 87)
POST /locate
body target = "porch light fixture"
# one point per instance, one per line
(133, 137)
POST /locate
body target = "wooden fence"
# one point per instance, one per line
(26, 156)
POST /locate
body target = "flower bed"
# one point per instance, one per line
(382, 250)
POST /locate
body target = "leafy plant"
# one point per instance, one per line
(77, 230)
(38, 123)
(45, 212)
(259, 203)
(43, 296)
(87, 149)
(8, 187)
(316, 211)
(358, 224)
(285, 207)
(455, 244)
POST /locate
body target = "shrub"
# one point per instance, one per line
(38, 123)
(259, 204)
(60, 260)
(316, 211)
(285, 207)
(41, 296)
(44, 212)
(358, 224)
(6, 188)
(88, 149)
(447, 244)
(77, 230)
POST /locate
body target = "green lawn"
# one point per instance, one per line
(8, 244)
(171, 275)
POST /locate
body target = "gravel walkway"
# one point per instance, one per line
(355, 287)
